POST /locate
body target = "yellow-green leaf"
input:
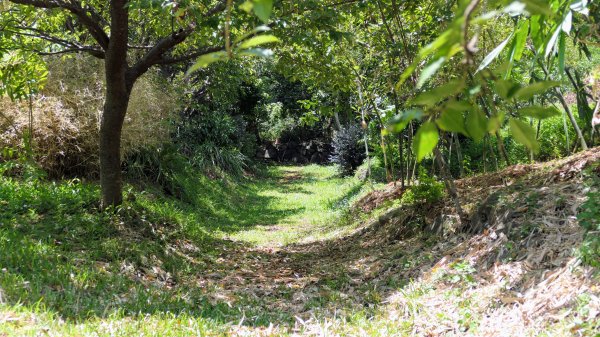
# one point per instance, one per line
(431, 97)
(527, 93)
(258, 40)
(539, 112)
(207, 59)
(425, 140)
(263, 9)
(524, 134)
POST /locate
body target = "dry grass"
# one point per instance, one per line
(66, 117)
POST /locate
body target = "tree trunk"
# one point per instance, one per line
(563, 102)
(338, 125)
(450, 187)
(119, 83)
(401, 149)
(595, 121)
(501, 148)
(459, 157)
(110, 150)
(493, 153)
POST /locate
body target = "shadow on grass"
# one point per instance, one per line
(155, 255)
(56, 250)
(227, 205)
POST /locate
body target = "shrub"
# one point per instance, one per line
(66, 117)
(162, 165)
(348, 151)
(215, 160)
(214, 142)
(429, 190)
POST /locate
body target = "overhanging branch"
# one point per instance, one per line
(88, 18)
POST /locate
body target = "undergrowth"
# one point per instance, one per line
(589, 218)
(68, 268)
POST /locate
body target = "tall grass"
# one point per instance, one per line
(67, 113)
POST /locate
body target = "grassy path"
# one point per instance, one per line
(309, 199)
(277, 256)
(251, 254)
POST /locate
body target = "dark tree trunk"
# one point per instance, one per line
(110, 147)
(119, 82)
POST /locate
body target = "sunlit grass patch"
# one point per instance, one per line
(312, 200)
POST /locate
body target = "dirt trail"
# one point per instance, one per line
(518, 273)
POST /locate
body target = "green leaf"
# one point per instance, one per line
(426, 139)
(430, 70)
(247, 6)
(258, 40)
(406, 74)
(451, 121)
(477, 124)
(461, 106)
(260, 52)
(207, 59)
(539, 112)
(524, 134)
(506, 89)
(527, 93)
(259, 29)
(561, 54)
(495, 122)
(263, 9)
(433, 96)
(441, 40)
(520, 40)
(536, 23)
(400, 121)
(493, 55)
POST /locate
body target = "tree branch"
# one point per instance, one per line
(71, 46)
(156, 54)
(90, 50)
(88, 17)
(190, 55)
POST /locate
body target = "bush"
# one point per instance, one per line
(428, 191)
(378, 172)
(348, 151)
(214, 142)
(215, 160)
(66, 117)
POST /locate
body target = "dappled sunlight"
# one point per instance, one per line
(172, 268)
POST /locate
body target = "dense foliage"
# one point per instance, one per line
(347, 152)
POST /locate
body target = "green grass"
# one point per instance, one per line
(309, 202)
(71, 269)
(146, 269)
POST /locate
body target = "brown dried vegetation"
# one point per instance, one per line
(66, 117)
(515, 275)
